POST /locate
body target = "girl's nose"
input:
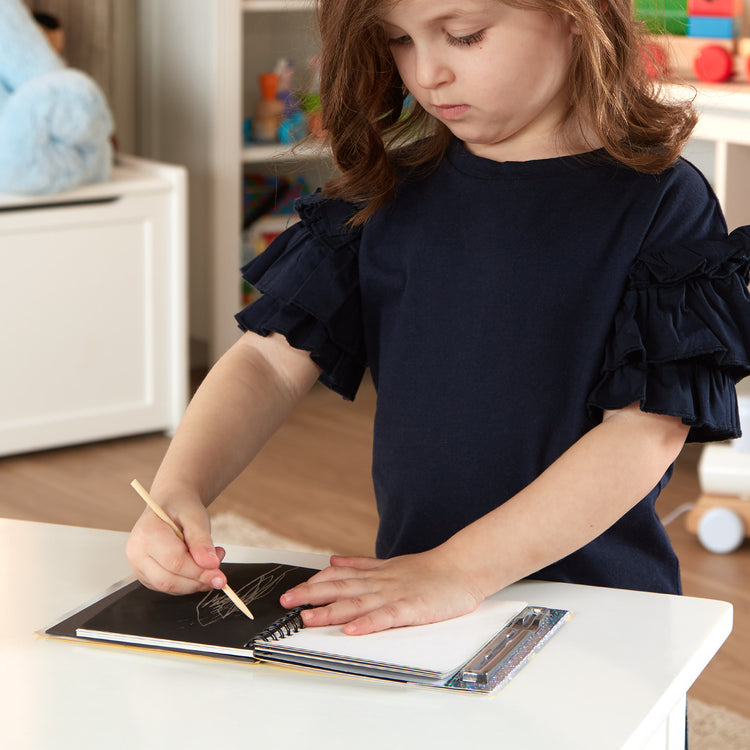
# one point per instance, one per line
(431, 71)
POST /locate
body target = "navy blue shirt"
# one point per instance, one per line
(501, 307)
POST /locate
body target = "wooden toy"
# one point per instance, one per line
(721, 516)
(721, 522)
(696, 39)
(269, 110)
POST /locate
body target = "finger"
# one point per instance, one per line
(361, 563)
(197, 532)
(341, 573)
(342, 611)
(155, 541)
(154, 576)
(215, 578)
(317, 592)
(363, 615)
(392, 615)
(179, 563)
(151, 537)
(406, 610)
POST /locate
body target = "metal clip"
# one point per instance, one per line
(481, 668)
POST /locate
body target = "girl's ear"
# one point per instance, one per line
(573, 26)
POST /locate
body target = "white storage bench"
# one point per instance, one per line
(93, 339)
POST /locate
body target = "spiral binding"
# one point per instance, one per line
(290, 622)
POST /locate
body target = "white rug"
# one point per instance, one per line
(716, 728)
(711, 727)
(230, 528)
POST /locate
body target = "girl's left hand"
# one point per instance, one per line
(371, 595)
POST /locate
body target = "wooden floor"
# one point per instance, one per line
(312, 483)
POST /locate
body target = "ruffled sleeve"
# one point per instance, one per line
(310, 284)
(681, 336)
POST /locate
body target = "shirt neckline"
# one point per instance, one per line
(464, 161)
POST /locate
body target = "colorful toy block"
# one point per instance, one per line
(682, 50)
(713, 64)
(712, 27)
(703, 39)
(662, 16)
(730, 8)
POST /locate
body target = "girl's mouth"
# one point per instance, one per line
(450, 111)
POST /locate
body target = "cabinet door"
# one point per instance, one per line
(85, 308)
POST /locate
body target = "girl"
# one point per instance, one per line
(544, 292)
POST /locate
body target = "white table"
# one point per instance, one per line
(615, 676)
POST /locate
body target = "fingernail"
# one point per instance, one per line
(217, 583)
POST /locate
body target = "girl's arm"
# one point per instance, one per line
(246, 396)
(594, 483)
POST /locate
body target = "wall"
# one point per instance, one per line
(100, 39)
(180, 82)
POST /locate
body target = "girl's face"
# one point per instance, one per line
(495, 75)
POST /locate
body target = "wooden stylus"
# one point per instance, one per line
(141, 490)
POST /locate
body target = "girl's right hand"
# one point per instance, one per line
(161, 561)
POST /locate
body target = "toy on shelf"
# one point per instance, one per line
(268, 110)
(699, 39)
(55, 125)
(310, 102)
(293, 121)
(279, 115)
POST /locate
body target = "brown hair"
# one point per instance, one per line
(364, 113)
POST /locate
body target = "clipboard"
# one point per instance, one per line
(478, 653)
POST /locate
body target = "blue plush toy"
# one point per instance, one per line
(55, 125)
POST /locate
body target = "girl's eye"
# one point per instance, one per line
(466, 41)
(400, 40)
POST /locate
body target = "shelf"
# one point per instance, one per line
(276, 6)
(277, 152)
(726, 96)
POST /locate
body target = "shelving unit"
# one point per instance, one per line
(272, 30)
(250, 6)
(208, 94)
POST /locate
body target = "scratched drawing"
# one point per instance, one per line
(216, 606)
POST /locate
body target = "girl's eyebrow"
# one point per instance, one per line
(455, 14)
(459, 13)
